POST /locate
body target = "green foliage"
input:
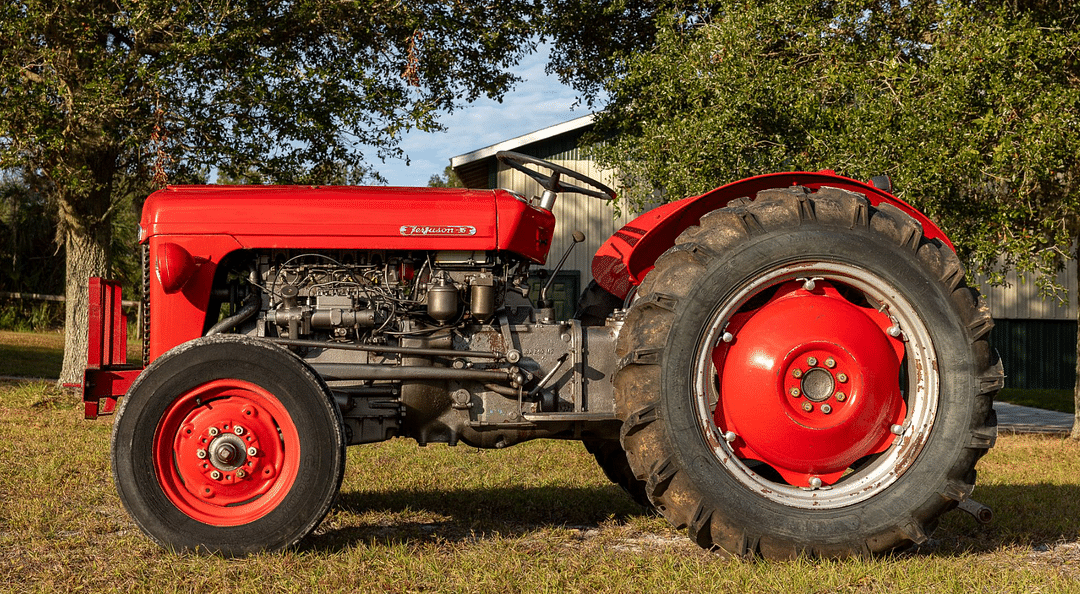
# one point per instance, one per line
(31, 260)
(972, 108)
(105, 101)
(448, 179)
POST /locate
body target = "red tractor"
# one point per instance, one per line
(789, 364)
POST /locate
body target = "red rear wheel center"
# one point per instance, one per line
(809, 383)
(226, 453)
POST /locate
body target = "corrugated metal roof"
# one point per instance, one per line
(575, 125)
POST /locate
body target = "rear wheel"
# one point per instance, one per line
(806, 373)
(230, 445)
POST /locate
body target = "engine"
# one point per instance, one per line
(441, 346)
(373, 297)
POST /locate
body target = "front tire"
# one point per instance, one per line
(228, 445)
(806, 374)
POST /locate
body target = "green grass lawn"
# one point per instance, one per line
(537, 517)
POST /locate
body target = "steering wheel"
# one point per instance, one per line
(552, 182)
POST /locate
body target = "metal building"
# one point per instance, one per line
(573, 212)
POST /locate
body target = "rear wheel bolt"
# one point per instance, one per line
(796, 373)
(795, 392)
(830, 362)
(840, 397)
(811, 361)
(807, 406)
(841, 377)
(825, 408)
(215, 475)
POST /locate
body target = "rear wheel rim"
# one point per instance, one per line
(818, 427)
(226, 453)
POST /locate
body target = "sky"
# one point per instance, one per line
(537, 102)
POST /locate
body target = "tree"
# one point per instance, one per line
(973, 108)
(448, 179)
(103, 101)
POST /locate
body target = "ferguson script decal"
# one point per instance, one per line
(438, 230)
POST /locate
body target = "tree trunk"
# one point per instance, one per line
(1076, 386)
(87, 255)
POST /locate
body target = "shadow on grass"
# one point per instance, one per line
(1024, 515)
(30, 361)
(409, 517)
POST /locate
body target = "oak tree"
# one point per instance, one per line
(101, 101)
(973, 109)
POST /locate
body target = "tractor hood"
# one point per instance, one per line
(348, 217)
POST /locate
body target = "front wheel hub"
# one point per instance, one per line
(226, 452)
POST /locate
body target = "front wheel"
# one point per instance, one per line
(807, 374)
(230, 445)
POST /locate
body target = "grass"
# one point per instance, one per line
(41, 354)
(537, 517)
(1059, 400)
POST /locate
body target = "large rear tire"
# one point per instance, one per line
(230, 445)
(805, 373)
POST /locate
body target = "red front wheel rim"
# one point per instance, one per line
(226, 453)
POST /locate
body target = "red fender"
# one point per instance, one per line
(627, 256)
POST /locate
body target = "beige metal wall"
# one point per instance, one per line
(1021, 300)
(573, 212)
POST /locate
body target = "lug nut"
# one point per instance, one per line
(240, 473)
(807, 406)
(840, 396)
(796, 373)
(238, 430)
(811, 361)
(830, 362)
(215, 475)
(200, 454)
(825, 408)
(795, 392)
(841, 377)
(213, 431)
(252, 451)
